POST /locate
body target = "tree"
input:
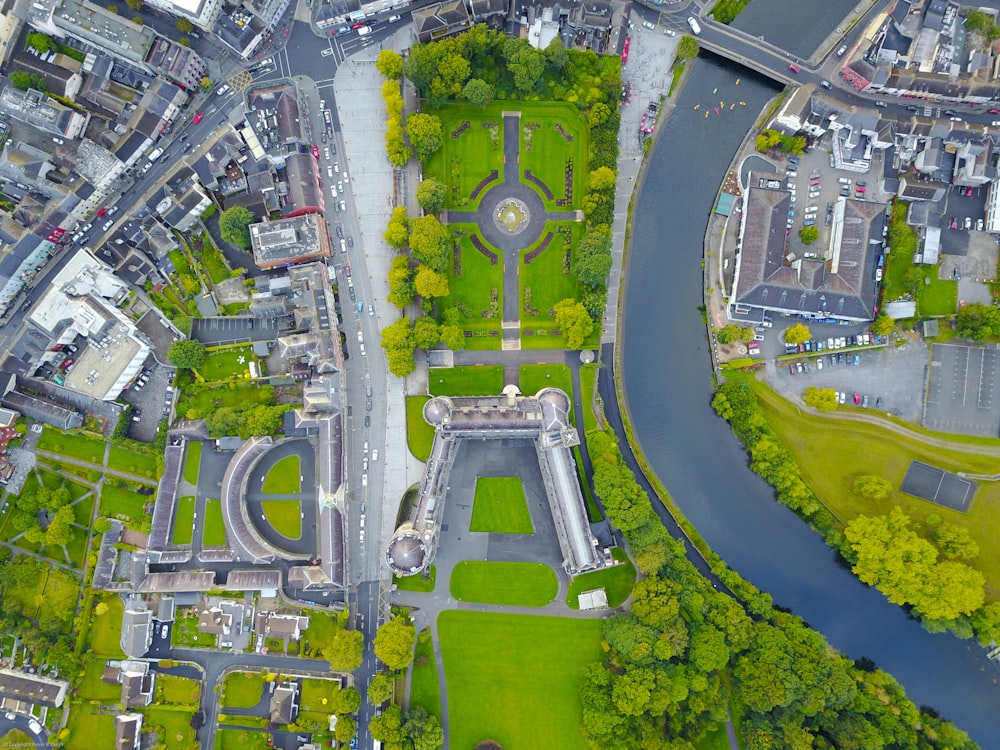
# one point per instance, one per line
(60, 528)
(593, 257)
(913, 279)
(429, 283)
(808, 235)
(102, 525)
(425, 332)
(687, 47)
(394, 643)
(871, 487)
(451, 330)
(234, 226)
(424, 132)
(398, 342)
(101, 608)
(395, 144)
(183, 25)
(134, 5)
(978, 321)
(430, 242)
(883, 325)
(732, 332)
(955, 542)
(205, 84)
(186, 353)
(478, 92)
(797, 334)
(397, 232)
(40, 42)
(24, 80)
(401, 286)
(346, 701)
(599, 115)
(390, 64)
(575, 322)
(388, 727)
(431, 195)
(381, 688)
(345, 650)
(601, 179)
(184, 41)
(346, 729)
(823, 399)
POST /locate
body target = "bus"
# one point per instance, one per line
(693, 23)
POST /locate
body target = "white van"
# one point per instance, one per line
(364, 31)
(343, 246)
(844, 181)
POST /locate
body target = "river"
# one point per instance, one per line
(667, 381)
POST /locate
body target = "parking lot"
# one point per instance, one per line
(962, 391)
(149, 403)
(958, 207)
(894, 374)
(234, 330)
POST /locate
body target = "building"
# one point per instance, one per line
(434, 22)
(287, 628)
(137, 629)
(202, 13)
(543, 419)
(286, 242)
(284, 706)
(128, 731)
(32, 688)
(835, 282)
(138, 684)
(41, 112)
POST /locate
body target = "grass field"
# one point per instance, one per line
(544, 281)
(77, 547)
(240, 739)
(283, 477)
(471, 292)
(177, 732)
(322, 627)
(92, 687)
(518, 583)
(417, 583)
(184, 520)
(213, 533)
(588, 384)
(471, 156)
(89, 729)
(226, 365)
(16, 738)
(83, 511)
(116, 501)
(192, 461)
(317, 695)
(419, 434)
(27, 595)
(501, 507)
(242, 689)
(134, 461)
(465, 381)
(178, 691)
(535, 377)
(284, 516)
(832, 453)
(79, 447)
(529, 665)
(424, 689)
(934, 296)
(546, 158)
(617, 581)
(106, 631)
(203, 399)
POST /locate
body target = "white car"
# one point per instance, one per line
(329, 172)
(336, 166)
(361, 337)
(343, 205)
(670, 32)
(364, 480)
(375, 454)
(647, 25)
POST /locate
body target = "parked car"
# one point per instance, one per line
(968, 222)
(197, 118)
(857, 397)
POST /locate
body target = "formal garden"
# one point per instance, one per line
(500, 506)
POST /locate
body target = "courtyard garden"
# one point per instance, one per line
(283, 477)
(192, 461)
(242, 689)
(229, 363)
(511, 583)
(475, 285)
(419, 434)
(501, 507)
(534, 666)
(284, 516)
(184, 520)
(554, 135)
(466, 381)
(213, 532)
(471, 153)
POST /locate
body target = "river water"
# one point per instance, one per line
(667, 381)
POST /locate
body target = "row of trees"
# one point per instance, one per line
(979, 322)
(772, 139)
(402, 338)
(396, 147)
(685, 650)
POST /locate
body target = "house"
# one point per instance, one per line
(434, 22)
(284, 705)
(222, 620)
(31, 688)
(128, 730)
(138, 684)
(137, 629)
(285, 627)
(276, 244)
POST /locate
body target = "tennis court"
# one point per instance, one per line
(941, 487)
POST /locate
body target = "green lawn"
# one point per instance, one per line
(213, 533)
(528, 665)
(184, 520)
(466, 381)
(284, 516)
(192, 461)
(178, 691)
(546, 280)
(501, 507)
(318, 694)
(940, 297)
(617, 581)
(185, 633)
(417, 583)
(240, 739)
(89, 728)
(588, 391)
(471, 292)
(16, 738)
(419, 434)
(83, 511)
(106, 630)
(198, 400)
(462, 162)
(548, 152)
(92, 687)
(75, 446)
(26, 596)
(117, 501)
(717, 740)
(177, 732)
(535, 377)
(77, 547)
(322, 627)
(832, 453)
(934, 296)
(215, 265)
(134, 461)
(226, 365)
(283, 477)
(424, 688)
(242, 689)
(518, 583)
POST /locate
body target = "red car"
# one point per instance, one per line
(794, 68)
(197, 118)
(968, 191)
(315, 150)
(857, 398)
(357, 24)
(954, 223)
(102, 212)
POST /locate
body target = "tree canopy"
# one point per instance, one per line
(798, 333)
(345, 650)
(186, 353)
(431, 195)
(574, 321)
(979, 322)
(424, 131)
(234, 225)
(24, 80)
(390, 64)
(430, 242)
(394, 643)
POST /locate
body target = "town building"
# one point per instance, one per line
(285, 242)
